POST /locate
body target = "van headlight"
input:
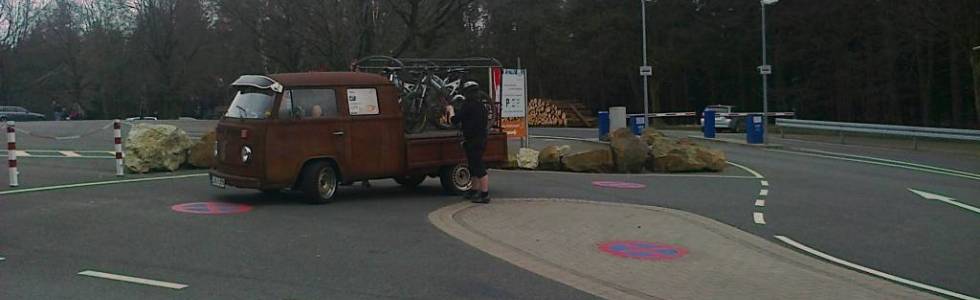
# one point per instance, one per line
(246, 154)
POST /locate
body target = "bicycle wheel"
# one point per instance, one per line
(414, 119)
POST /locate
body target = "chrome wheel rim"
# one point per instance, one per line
(462, 177)
(327, 183)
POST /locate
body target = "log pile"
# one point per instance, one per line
(542, 112)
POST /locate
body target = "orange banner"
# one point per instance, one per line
(514, 127)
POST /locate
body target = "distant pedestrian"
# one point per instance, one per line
(57, 111)
(473, 120)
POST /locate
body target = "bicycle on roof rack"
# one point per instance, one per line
(427, 86)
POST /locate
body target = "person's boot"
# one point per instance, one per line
(471, 194)
(483, 198)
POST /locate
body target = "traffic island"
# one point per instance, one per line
(624, 251)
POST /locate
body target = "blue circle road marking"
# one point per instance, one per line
(211, 208)
(643, 250)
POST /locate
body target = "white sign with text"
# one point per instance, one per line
(514, 93)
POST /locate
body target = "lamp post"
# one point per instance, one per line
(645, 71)
(765, 70)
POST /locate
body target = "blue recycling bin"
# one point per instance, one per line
(637, 124)
(708, 125)
(754, 131)
(603, 124)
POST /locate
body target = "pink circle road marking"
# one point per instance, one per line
(618, 184)
(211, 208)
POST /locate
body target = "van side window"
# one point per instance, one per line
(286, 110)
(314, 103)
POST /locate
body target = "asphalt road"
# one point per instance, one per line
(376, 242)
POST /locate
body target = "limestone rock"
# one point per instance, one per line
(152, 147)
(629, 152)
(550, 157)
(650, 136)
(201, 155)
(527, 158)
(714, 160)
(594, 161)
(668, 156)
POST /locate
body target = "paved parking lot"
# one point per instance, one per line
(378, 242)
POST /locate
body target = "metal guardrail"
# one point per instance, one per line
(907, 131)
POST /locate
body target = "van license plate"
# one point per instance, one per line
(217, 181)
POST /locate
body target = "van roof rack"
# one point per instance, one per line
(378, 63)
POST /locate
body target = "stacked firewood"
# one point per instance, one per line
(542, 112)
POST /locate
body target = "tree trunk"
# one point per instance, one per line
(924, 70)
(955, 92)
(975, 65)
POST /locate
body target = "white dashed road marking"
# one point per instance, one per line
(758, 218)
(760, 203)
(163, 284)
(765, 183)
(763, 193)
(70, 153)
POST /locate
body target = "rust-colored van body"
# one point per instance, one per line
(360, 147)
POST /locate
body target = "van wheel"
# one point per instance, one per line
(320, 182)
(410, 182)
(455, 179)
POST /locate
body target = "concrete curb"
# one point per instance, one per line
(735, 142)
(446, 219)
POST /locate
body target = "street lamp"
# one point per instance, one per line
(646, 71)
(764, 70)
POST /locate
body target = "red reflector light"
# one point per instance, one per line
(244, 133)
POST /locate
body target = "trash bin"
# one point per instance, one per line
(637, 124)
(603, 124)
(708, 125)
(754, 132)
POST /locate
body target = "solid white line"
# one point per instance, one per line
(753, 172)
(98, 183)
(902, 166)
(871, 271)
(763, 193)
(758, 218)
(164, 284)
(760, 203)
(765, 183)
(21, 153)
(888, 161)
(69, 153)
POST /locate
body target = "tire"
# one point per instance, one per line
(414, 122)
(455, 179)
(410, 182)
(319, 183)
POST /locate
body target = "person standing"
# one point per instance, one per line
(473, 120)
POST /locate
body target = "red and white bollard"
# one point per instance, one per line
(117, 134)
(12, 153)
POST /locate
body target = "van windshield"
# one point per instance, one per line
(251, 103)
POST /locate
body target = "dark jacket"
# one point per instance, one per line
(473, 115)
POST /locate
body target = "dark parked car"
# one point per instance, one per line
(17, 113)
